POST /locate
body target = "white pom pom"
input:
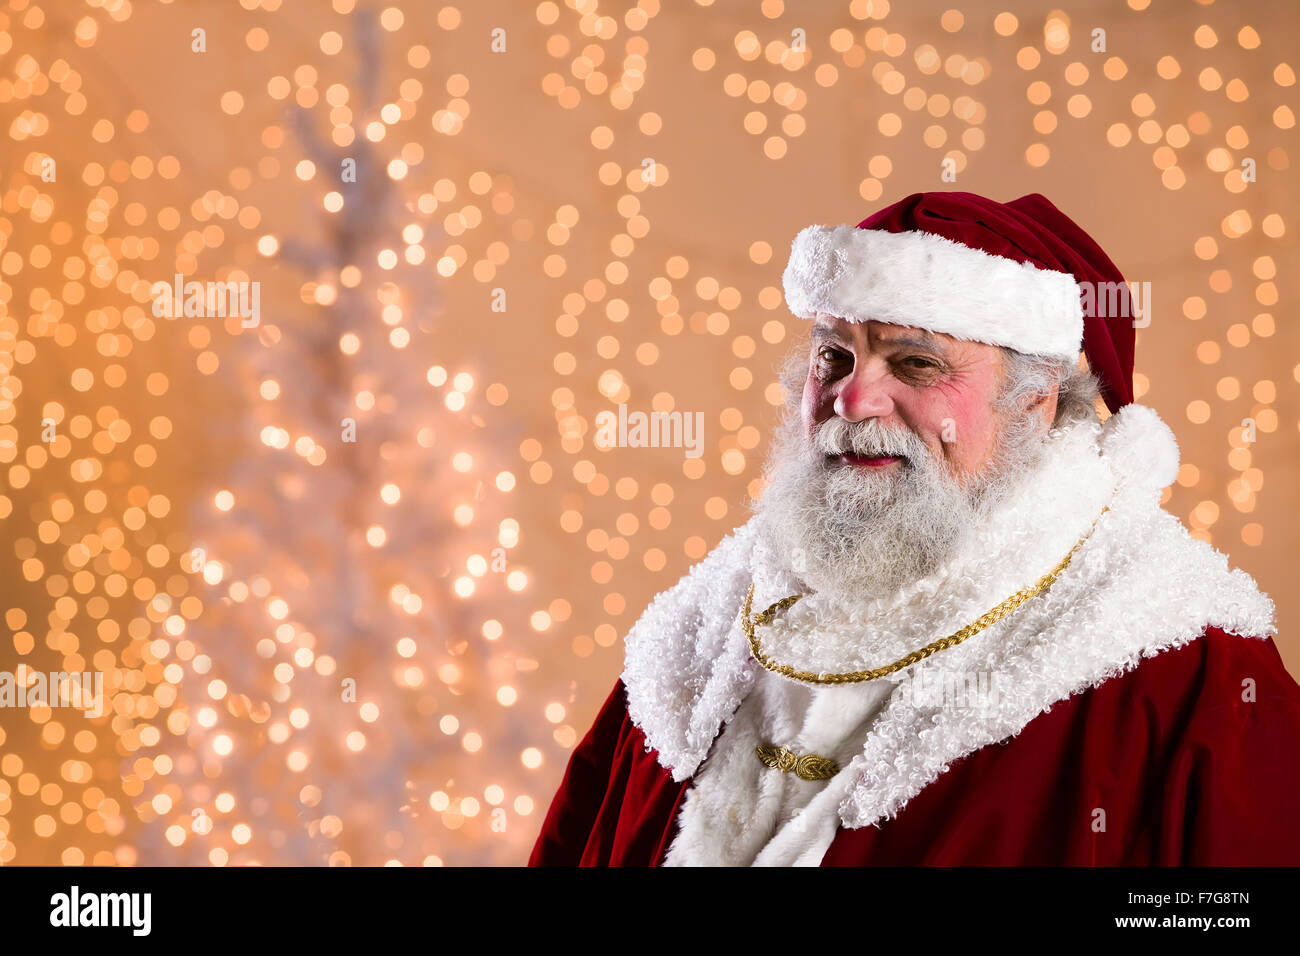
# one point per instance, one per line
(1140, 447)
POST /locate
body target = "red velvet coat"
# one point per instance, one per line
(1187, 771)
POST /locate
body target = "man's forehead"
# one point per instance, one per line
(882, 331)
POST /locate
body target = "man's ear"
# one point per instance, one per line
(1043, 407)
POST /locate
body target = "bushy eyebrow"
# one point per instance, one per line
(929, 344)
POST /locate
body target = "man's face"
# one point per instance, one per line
(941, 389)
(898, 450)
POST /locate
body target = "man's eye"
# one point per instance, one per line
(830, 363)
(917, 362)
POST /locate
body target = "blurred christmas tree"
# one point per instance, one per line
(347, 546)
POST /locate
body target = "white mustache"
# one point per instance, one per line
(868, 438)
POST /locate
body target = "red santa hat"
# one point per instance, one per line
(1005, 274)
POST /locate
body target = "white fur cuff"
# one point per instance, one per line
(929, 282)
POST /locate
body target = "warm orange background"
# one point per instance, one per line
(471, 561)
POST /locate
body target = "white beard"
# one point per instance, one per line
(858, 534)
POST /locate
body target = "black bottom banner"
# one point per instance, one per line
(264, 906)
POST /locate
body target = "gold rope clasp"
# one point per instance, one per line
(803, 766)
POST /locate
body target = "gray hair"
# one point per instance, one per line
(1028, 376)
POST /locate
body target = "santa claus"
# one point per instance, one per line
(959, 628)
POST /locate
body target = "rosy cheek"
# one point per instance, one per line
(953, 420)
(817, 398)
(812, 401)
(964, 411)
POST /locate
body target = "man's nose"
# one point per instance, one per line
(864, 394)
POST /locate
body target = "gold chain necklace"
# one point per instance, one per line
(750, 623)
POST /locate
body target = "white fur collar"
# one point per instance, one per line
(1140, 585)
